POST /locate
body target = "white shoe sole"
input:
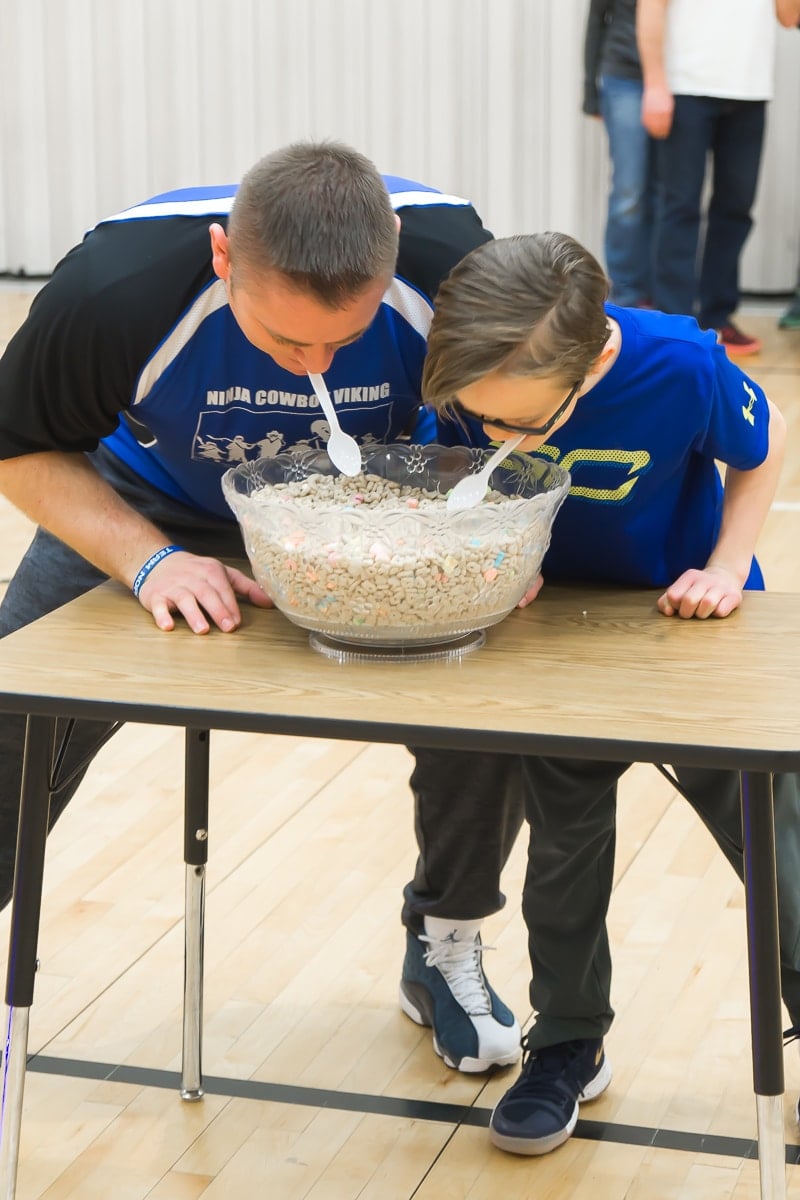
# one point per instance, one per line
(539, 1146)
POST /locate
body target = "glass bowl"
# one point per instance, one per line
(377, 559)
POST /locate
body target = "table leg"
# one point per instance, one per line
(195, 853)
(765, 986)
(25, 910)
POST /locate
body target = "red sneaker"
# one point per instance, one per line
(736, 342)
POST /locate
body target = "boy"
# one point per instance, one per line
(640, 407)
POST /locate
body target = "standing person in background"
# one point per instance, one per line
(708, 73)
(613, 90)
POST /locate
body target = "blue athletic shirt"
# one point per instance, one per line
(132, 341)
(642, 448)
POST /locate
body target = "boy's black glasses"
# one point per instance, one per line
(511, 427)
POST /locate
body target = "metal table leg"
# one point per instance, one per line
(195, 853)
(25, 911)
(765, 986)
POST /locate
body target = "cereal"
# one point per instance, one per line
(369, 557)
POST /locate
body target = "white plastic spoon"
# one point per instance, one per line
(343, 450)
(470, 491)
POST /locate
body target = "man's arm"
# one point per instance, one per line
(717, 589)
(657, 101)
(64, 493)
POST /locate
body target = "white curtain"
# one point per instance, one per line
(105, 102)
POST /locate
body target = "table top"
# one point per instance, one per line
(582, 671)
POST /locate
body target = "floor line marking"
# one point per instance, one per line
(395, 1106)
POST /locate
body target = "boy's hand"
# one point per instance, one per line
(532, 592)
(194, 587)
(713, 592)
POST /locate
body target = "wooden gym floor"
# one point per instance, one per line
(319, 1087)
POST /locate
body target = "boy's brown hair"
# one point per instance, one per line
(525, 305)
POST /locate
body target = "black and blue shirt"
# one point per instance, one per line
(132, 341)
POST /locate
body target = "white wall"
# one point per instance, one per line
(105, 102)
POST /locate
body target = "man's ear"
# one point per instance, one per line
(220, 258)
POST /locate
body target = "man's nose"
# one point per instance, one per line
(315, 359)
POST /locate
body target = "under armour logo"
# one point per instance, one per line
(747, 409)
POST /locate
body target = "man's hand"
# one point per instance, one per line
(658, 106)
(713, 592)
(194, 587)
(532, 592)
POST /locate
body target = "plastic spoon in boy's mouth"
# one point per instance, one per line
(470, 491)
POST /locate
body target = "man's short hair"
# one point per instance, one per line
(320, 214)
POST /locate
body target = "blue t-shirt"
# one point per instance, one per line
(642, 448)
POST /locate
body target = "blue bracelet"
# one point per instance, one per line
(147, 567)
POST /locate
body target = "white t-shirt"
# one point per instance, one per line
(721, 48)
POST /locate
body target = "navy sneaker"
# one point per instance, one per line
(444, 986)
(541, 1110)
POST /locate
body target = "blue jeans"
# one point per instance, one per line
(631, 199)
(704, 281)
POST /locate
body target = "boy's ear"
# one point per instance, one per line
(605, 354)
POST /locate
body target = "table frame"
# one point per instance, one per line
(50, 701)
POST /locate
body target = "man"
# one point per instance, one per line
(708, 74)
(177, 338)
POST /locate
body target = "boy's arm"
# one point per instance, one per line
(657, 100)
(717, 589)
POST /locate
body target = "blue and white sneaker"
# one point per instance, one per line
(444, 986)
(540, 1111)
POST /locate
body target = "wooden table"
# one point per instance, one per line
(583, 673)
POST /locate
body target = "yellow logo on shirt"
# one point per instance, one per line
(747, 409)
(629, 465)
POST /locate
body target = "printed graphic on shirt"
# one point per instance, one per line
(238, 433)
(747, 409)
(602, 476)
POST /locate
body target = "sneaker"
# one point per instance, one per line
(541, 1110)
(444, 986)
(736, 342)
(791, 318)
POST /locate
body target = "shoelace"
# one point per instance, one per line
(460, 965)
(791, 1035)
(546, 1069)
